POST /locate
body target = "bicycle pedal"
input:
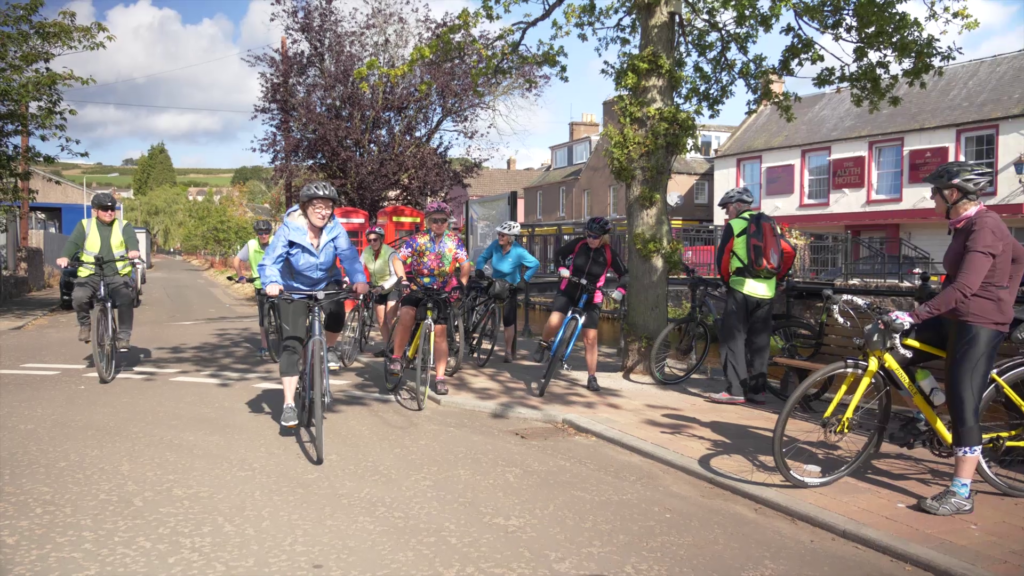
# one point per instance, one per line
(566, 367)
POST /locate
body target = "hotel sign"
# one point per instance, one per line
(924, 161)
(848, 172)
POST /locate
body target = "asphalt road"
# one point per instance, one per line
(179, 468)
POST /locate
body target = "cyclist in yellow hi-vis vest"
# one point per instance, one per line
(108, 237)
(246, 261)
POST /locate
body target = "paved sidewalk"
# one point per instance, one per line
(734, 443)
(16, 313)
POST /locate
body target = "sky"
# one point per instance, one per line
(172, 54)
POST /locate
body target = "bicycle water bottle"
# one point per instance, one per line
(926, 382)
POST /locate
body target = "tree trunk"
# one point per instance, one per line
(648, 307)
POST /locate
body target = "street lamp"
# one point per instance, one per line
(85, 212)
(1018, 167)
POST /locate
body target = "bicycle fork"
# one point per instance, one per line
(316, 334)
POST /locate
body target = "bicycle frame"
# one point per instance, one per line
(576, 312)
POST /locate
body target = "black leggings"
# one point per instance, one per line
(970, 354)
(293, 314)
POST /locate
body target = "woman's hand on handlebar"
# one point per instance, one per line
(361, 287)
(900, 321)
(563, 272)
(274, 290)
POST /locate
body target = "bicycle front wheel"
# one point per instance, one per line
(103, 345)
(391, 382)
(423, 368)
(351, 335)
(319, 376)
(486, 337)
(679, 351)
(794, 339)
(364, 332)
(558, 354)
(811, 450)
(272, 328)
(1002, 429)
(455, 337)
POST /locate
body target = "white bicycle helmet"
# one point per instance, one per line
(510, 228)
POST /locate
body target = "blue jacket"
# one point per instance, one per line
(506, 266)
(292, 262)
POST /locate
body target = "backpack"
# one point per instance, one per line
(764, 247)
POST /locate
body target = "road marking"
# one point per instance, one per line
(268, 385)
(237, 375)
(37, 372)
(79, 366)
(185, 323)
(148, 369)
(200, 380)
(124, 375)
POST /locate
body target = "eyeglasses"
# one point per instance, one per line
(593, 237)
(438, 220)
(502, 236)
(372, 240)
(105, 209)
(320, 209)
(263, 233)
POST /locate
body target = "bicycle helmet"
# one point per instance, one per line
(740, 195)
(970, 179)
(104, 201)
(262, 227)
(437, 207)
(510, 228)
(599, 225)
(318, 189)
(378, 230)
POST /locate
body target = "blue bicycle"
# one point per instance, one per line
(562, 345)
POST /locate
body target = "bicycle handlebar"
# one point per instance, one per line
(879, 314)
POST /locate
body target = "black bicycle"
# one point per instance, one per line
(104, 323)
(314, 390)
(271, 323)
(487, 302)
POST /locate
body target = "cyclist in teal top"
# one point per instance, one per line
(507, 258)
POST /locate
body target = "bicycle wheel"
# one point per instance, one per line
(350, 336)
(1002, 466)
(557, 354)
(103, 345)
(319, 399)
(455, 337)
(486, 337)
(138, 291)
(391, 382)
(272, 328)
(364, 332)
(423, 371)
(794, 339)
(679, 351)
(811, 451)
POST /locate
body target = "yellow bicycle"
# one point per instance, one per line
(419, 352)
(822, 437)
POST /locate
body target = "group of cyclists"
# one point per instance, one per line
(968, 318)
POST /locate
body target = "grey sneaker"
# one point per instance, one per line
(947, 503)
(592, 384)
(123, 341)
(333, 360)
(85, 334)
(541, 352)
(725, 398)
(290, 416)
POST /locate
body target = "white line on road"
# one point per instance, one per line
(123, 375)
(268, 385)
(36, 372)
(79, 366)
(237, 375)
(200, 380)
(148, 369)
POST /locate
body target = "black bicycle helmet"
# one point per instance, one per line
(262, 227)
(970, 179)
(104, 201)
(318, 189)
(599, 225)
(741, 195)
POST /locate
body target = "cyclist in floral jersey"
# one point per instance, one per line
(430, 257)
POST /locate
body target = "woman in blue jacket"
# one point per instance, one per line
(507, 257)
(301, 258)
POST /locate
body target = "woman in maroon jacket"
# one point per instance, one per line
(969, 317)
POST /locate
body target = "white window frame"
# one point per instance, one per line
(560, 157)
(561, 201)
(995, 148)
(586, 204)
(540, 204)
(754, 188)
(577, 156)
(827, 177)
(875, 157)
(611, 202)
(700, 190)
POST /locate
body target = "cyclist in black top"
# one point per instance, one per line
(589, 258)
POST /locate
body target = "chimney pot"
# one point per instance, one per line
(511, 163)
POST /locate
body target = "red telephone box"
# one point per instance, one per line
(399, 222)
(355, 222)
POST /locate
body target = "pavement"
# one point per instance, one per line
(16, 313)
(178, 467)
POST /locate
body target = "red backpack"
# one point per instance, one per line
(764, 248)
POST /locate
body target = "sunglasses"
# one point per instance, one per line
(593, 237)
(438, 220)
(105, 209)
(374, 240)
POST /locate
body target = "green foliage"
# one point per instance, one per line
(32, 86)
(164, 211)
(195, 183)
(155, 169)
(129, 162)
(651, 247)
(244, 174)
(203, 225)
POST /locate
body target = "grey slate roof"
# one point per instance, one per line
(494, 181)
(969, 92)
(717, 128)
(550, 176)
(698, 166)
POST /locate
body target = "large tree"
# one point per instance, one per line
(377, 98)
(676, 62)
(155, 169)
(32, 107)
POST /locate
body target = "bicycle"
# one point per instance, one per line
(562, 347)
(420, 349)
(682, 346)
(138, 279)
(488, 305)
(271, 329)
(313, 393)
(104, 323)
(865, 416)
(355, 330)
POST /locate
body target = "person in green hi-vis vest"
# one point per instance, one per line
(246, 261)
